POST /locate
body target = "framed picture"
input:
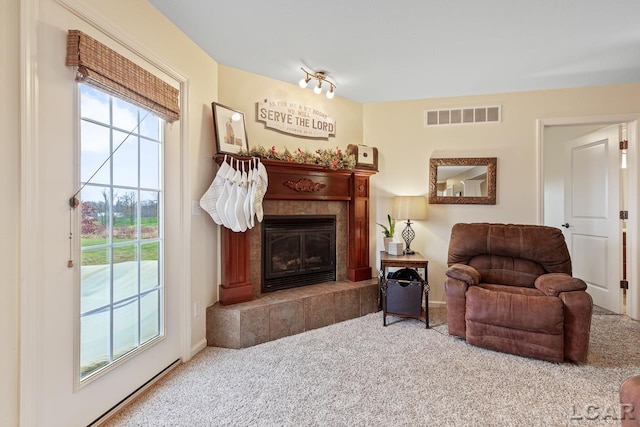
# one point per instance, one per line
(229, 129)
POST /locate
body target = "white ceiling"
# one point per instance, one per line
(376, 50)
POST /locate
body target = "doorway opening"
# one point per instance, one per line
(552, 135)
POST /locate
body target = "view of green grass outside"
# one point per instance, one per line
(149, 251)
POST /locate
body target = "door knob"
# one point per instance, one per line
(565, 225)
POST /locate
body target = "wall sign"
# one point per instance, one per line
(295, 119)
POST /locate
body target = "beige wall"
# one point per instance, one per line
(241, 90)
(405, 147)
(9, 214)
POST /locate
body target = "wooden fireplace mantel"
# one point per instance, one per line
(295, 181)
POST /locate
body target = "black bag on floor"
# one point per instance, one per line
(404, 292)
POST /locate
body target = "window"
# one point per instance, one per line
(121, 280)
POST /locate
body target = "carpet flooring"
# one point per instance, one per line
(359, 373)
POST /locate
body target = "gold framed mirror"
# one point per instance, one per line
(462, 180)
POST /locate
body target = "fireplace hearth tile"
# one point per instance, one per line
(319, 311)
(278, 314)
(347, 304)
(369, 300)
(223, 327)
(286, 318)
(254, 326)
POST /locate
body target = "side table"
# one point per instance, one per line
(414, 261)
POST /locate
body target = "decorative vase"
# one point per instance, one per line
(387, 240)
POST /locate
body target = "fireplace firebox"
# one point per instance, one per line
(298, 251)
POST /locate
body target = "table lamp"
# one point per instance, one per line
(409, 207)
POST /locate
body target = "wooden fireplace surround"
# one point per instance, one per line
(295, 181)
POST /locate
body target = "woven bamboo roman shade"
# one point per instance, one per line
(107, 70)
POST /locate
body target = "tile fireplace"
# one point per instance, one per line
(297, 251)
(247, 313)
(298, 209)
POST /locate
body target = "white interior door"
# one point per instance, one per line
(592, 205)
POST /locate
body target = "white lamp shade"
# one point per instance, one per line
(410, 207)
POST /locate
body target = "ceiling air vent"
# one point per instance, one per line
(463, 116)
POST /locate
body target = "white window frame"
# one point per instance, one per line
(115, 362)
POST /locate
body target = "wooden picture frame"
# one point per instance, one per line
(229, 129)
(437, 166)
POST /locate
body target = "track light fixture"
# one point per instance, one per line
(320, 77)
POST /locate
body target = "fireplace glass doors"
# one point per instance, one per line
(298, 251)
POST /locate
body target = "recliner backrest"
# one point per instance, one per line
(509, 254)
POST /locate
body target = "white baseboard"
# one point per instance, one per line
(437, 303)
(124, 402)
(200, 345)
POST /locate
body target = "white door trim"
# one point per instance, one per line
(633, 224)
(633, 231)
(31, 304)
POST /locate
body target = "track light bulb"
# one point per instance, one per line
(318, 88)
(330, 93)
(304, 82)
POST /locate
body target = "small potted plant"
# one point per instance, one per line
(388, 232)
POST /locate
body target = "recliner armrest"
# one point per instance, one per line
(553, 284)
(464, 273)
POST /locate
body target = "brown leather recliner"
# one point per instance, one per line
(509, 288)
(630, 402)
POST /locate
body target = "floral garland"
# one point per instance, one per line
(333, 159)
